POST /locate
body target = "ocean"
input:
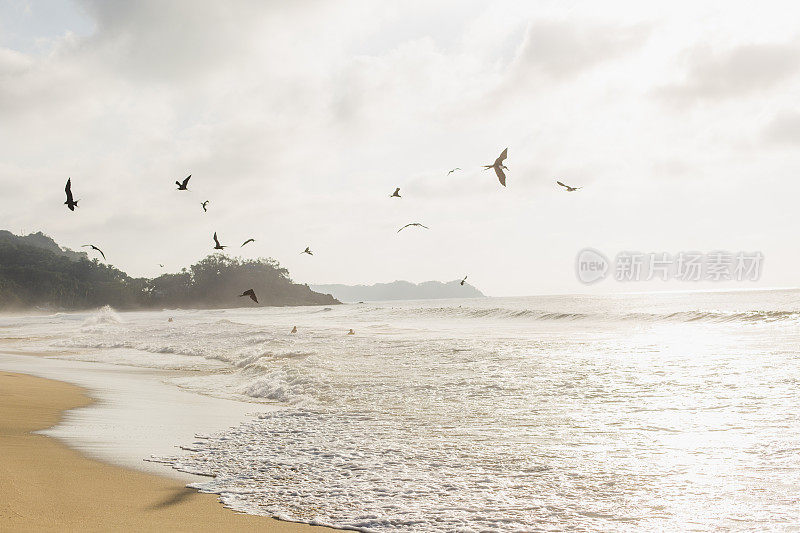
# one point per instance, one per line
(635, 412)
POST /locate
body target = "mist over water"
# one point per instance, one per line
(629, 412)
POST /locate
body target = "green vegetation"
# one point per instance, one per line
(36, 273)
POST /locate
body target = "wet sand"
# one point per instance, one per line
(47, 486)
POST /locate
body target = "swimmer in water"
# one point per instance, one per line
(351, 332)
(294, 329)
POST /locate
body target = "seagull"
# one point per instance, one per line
(182, 186)
(569, 189)
(457, 168)
(72, 204)
(413, 224)
(251, 293)
(248, 240)
(294, 329)
(93, 247)
(307, 251)
(217, 245)
(396, 193)
(498, 167)
(463, 281)
(204, 204)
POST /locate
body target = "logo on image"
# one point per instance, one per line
(591, 266)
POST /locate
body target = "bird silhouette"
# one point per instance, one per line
(251, 293)
(182, 186)
(72, 204)
(396, 193)
(351, 332)
(93, 247)
(463, 281)
(294, 329)
(204, 204)
(162, 266)
(567, 187)
(413, 224)
(457, 168)
(307, 251)
(248, 240)
(217, 245)
(498, 167)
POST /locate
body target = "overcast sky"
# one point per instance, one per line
(298, 119)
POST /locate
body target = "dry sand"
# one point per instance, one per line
(46, 486)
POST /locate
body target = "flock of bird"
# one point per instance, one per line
(498, 166)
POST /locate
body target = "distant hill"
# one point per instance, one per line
(400, 290)
(37, 273)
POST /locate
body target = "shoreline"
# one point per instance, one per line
(50, 486)
(137, 414)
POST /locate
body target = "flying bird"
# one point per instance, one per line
(396, 193)
(72, 204)
(248, 240)
(307, 251)
(457, 168)
(204, 204)
(182, 186)
(463, 281)
(498, 167)
(413, 224)
(567, 187)
(217, 245)
(93, 247)
(251, 293)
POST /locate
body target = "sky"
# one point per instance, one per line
(297, 120)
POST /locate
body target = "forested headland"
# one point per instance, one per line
(37, 273)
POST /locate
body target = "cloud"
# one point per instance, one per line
(784, 129)
(560, 50)
(737, 72)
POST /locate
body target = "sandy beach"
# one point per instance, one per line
(47, 486)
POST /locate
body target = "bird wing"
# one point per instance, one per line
(563, 185)
(499, 160)
(422, 225)
(68, 190)
(248, 240)
(186, 181)
(404, 227)
(216, 241)
(500, 175)
(101, 252)
(253, 296)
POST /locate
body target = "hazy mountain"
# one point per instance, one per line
(400, 290)
(37, 273)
